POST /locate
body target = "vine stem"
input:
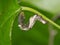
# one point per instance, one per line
(44, 17)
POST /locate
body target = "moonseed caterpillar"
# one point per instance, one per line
(31, 21)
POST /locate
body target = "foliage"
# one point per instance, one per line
(39, 34)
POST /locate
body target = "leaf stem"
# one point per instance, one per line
(44, 17)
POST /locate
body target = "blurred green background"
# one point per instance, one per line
(39, 34)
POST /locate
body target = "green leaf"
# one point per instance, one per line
(39, 34)
(8, 12)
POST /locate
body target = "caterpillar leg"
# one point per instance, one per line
(39, 18)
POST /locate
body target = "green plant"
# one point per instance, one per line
(11, 34)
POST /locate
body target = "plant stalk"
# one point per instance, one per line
(44, 17)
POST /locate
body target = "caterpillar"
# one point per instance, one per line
(31, 21)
